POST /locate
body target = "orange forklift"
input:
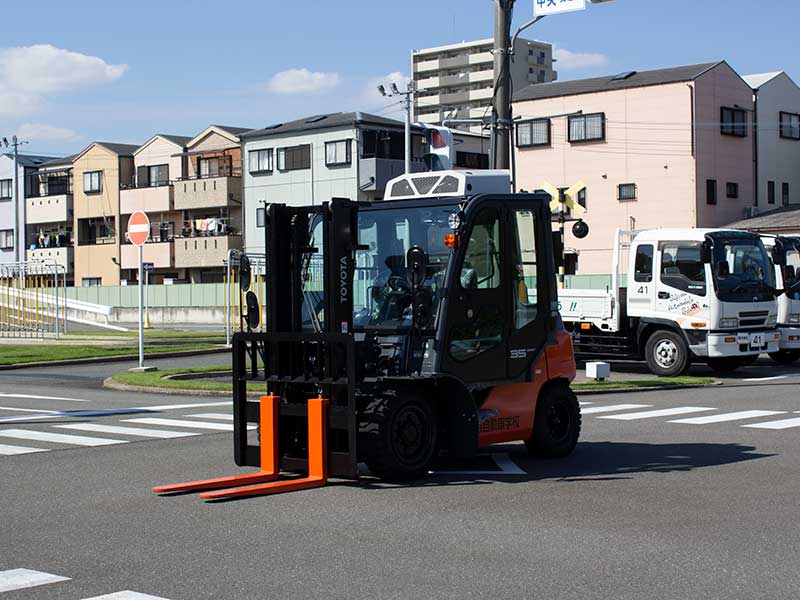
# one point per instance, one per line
(400, 333)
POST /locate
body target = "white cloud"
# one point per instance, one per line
(39, 132)
(28, 73)
(301, 81)
(571, 61)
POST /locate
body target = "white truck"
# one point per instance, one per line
(785, 253)
(691, 295)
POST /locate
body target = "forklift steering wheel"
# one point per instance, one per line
(398, 284)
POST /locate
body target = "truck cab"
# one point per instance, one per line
(785, 255)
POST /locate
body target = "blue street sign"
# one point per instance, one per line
(552, 7)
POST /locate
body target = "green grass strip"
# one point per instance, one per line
(28, 353)
(642, 383)
(157, 379)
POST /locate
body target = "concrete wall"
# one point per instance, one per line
(724, 158)
(779, 158)
(648, 142)
(7, 209)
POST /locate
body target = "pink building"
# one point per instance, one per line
(665, 148)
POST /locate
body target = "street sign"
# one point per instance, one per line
(570, 197)
(542, 8)
(149, 267)
(138, 228)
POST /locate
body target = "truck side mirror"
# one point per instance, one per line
(789, 274)
(417, 269)
(723, 269)
(705, 252)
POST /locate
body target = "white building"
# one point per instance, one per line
(12, 236)
(777, 164)
(458, 79)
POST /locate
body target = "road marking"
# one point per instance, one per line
(60, 438)
(8, 450)
(153, 433)
(126, 595)
(30, 410)
(178, 423)
(196, 405)
(33, 397)
(734, 416)
(612, 408)
(20, 579)
(502, 460)
(220, 416)
(585, 403)
(773, 378)
(663, 412)
(782, 424)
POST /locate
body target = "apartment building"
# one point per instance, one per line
(309, 161)
(98, 173)
(158, 164)
(49, 215)
(457, 80)
(12, 210)
(208, 197)
(664, 148)
(777, 164)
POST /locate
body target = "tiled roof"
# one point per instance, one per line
(332, 120)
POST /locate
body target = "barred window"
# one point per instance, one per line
(626, 192)
(533, 133)
(585, 128)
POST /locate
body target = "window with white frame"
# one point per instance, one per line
(5, 189)
(6, 239)
(533, 133)
(587, 128)
(93, 182)
(337, 153)
(260, 161)
(790, 126)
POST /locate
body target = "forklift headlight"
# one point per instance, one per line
(454, 220)
(729, 323)
(794, 318)
(772, 320)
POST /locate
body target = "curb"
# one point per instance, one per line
(655, 388)
(109, 383)
(112, 359)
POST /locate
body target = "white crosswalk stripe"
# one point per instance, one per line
(220, 416)
(126, 595)
(663, 412)
(116, 429)
(20, 579)
(734, 416)
(611, 408)
(8, 450)
(181, 423)
(59, 438)
(782, 424)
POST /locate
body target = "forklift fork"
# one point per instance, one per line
(264, 481)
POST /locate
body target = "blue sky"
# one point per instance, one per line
(72, 72)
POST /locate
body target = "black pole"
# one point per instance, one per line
(501, 103)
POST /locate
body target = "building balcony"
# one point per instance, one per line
(376, 172)
(210, 192)
(148, 199)
(481, 58)
(48, 209)
(63, 256)
(426, 66)
(161, 254)
(456, 62)
(210, 251)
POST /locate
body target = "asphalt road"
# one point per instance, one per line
(645, 508)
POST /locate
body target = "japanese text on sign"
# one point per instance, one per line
(551, 7)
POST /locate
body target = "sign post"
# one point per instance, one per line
(138, 232)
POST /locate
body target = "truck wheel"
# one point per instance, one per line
(725, 364)
(556, 423)
(397, 437)
(785, 357)
(666, 354)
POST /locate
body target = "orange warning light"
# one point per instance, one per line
(451, 240)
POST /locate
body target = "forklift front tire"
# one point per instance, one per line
(397, 437)
(666, 353)
(556, 424)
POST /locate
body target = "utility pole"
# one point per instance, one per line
(501, 103)
(408, 105)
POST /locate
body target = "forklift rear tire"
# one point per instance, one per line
(666, 353)
(398, 437)
(785, 357)
(727, 364)
(556, 424)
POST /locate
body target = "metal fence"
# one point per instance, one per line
(32, 299)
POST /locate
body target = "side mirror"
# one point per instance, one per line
(253, 317)
(705, 253)
(723, 269)
(789, 274)
(580, 229)
(245, 272)
(417, 269)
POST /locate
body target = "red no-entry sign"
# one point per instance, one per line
(138, 228)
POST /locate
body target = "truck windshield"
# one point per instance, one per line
(741, 267)
(382, 295)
